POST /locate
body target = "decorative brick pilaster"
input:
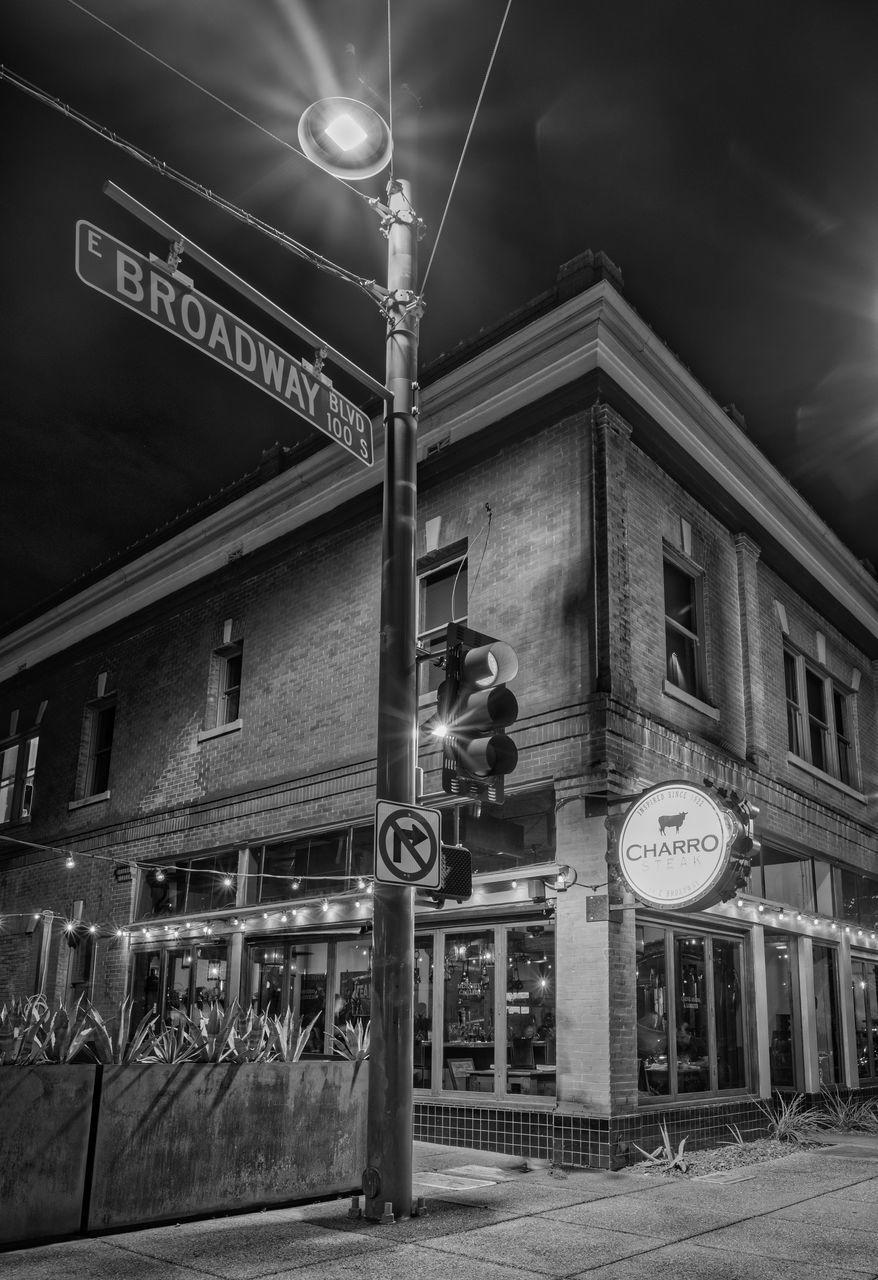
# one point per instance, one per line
(611, 565)
(755, 702)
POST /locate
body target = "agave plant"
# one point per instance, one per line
(668, 1160)
(171, 1044)
(218, 1036)
(352, 1041)
(23, 1027)
(288, 1037)
(112, 1043)
(252, 1041)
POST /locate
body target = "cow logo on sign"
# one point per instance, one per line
(675, 844)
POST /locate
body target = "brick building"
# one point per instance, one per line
(188, 774)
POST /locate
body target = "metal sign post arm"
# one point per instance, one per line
(216, 268)
(390, 1129)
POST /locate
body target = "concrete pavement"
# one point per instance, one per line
(491, 1217)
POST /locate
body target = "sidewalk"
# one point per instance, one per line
(491, 1217)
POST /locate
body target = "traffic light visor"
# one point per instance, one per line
(489, 664)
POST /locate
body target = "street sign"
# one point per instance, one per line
(408, 840)
(169, 300)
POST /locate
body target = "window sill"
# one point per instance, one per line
(234, 726)
(798, 763)
(672, 691)
(98, 798)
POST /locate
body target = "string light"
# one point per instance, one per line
(70, 862)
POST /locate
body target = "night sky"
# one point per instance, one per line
(721, 154)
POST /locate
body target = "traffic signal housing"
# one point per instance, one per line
(474, 708)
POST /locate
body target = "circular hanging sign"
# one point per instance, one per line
(676, 847)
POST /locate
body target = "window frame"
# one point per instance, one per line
(805, 721)
(229, 657)
(21, 784)
(453, 560)
(695, 574)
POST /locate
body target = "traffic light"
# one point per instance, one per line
(474, 707)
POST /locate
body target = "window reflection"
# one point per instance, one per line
(530, 1010)
(468, 1011)
(423, 1012)
(864, 976)
(826, 1014)
(690, 1019)
(781, 1026)
(691, 1015)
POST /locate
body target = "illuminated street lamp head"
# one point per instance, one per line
(345, 137)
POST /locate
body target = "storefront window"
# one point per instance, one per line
(652, 1011)
(180, 982)
(865, 990)
(270, 978)
(690, 1017)
(530, 1010)
(780, 877)
(782, 1027)
(353, 961)
(468, 1011)
(859, 897)
(423, 1012)
(304, 867)
(309, 968)
(826, 1015)
(690, 1004)
(145, 990)
(728, 1003)
(212, 883)
(518, 833)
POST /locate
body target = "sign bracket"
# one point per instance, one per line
(181, 245)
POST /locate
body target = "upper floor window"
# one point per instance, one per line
(229, 703)
(684, 649)
(442, 598)
(18, 762)
(102, 722)
(818, 718)
(223, 711)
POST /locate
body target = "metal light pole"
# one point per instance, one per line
(350, 140)
(388, 1178)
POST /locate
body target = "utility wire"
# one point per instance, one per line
(390, 88)
(465, 145)
(166, 171)
(201, 88)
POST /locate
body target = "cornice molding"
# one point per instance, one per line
(594, 330)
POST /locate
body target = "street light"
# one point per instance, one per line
(345, 137)
(350, 140)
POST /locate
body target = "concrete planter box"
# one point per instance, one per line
(89, 1148)
(45, 1118)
